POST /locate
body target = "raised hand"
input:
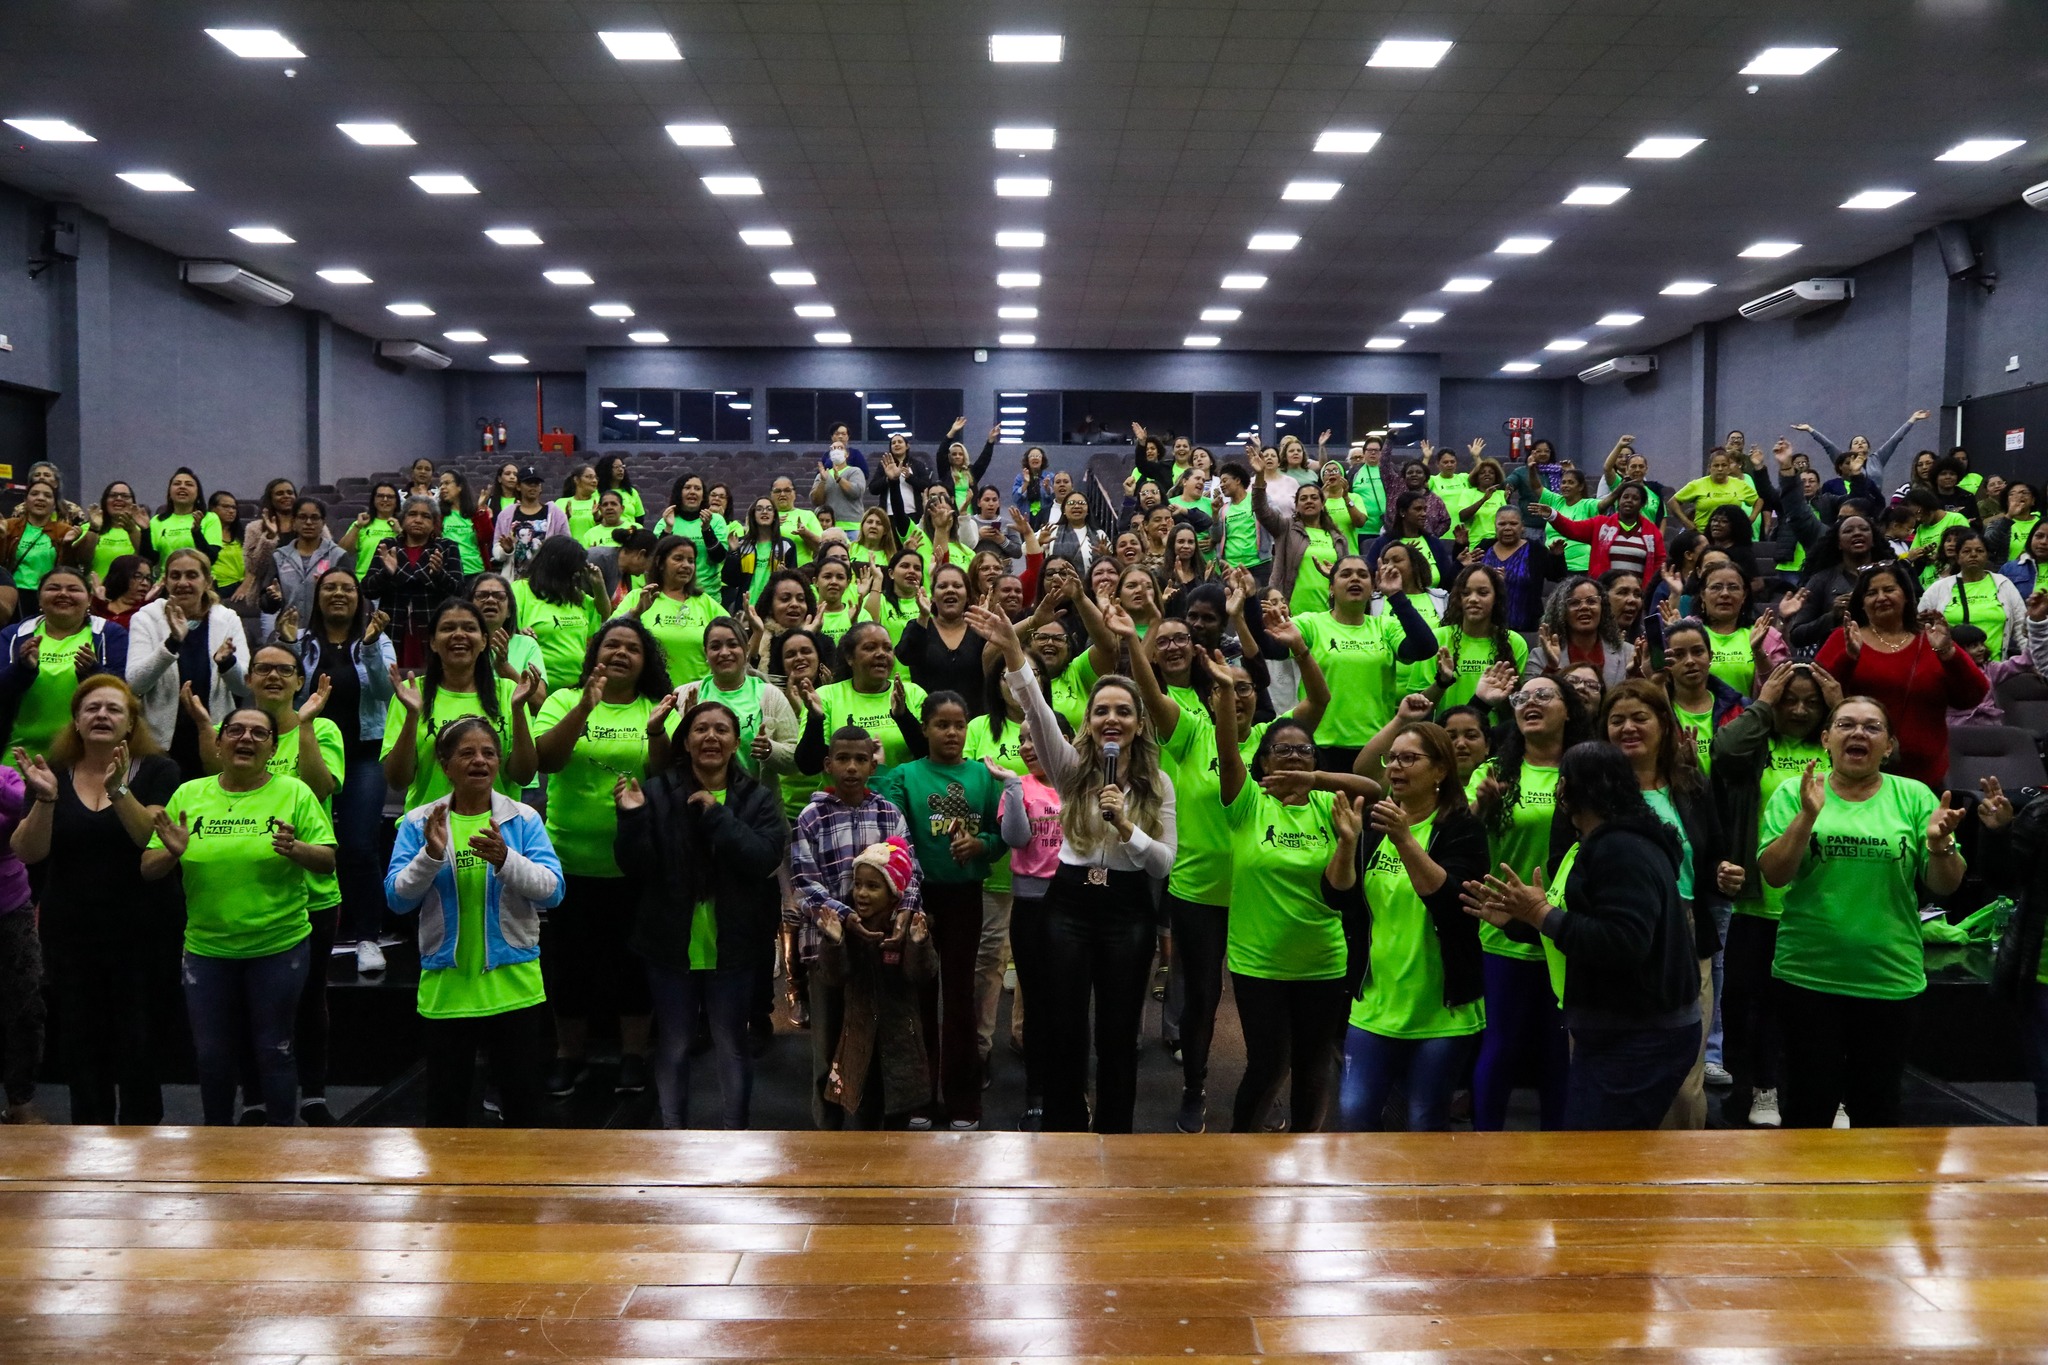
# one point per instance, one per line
(1390, 818)
(1994, 810)
(387, 558)
(1813, 791)
(435, 830)
(175, 837)
(1773, 690)
(760, 749)
(1791, 604)
(1504, 897)
(1921, 414)
(287, 623)
(1497, 683)
(919, 930)
(532, 689)
(1120, 623)
(488, 843)
(1934, 626)
(1830, 689)
(1852, 639)
(1415, 707)
(407, 690)
(175, 620)
(284, 837)
(117, 764)
(316, 702)
(1389, 580)
(1348, 818)
(657, 719)
(2037, 605)
(1762, 628)
(1553, 648)
(194, 707)
(36, 775)
(626, 793)
(224, 657)
(1942, 824)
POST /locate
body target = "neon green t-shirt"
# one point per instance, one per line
(870, 711)
(1659, 801)
(1785, 762)
(801, 518)
(1578, 556)
(1977, 603)
(1698, 727)
(1455, 491)
(1931, 536)
(227, 566)
(1552, 958)
(1069, 691)
(175, 532)
(1369, 486)
(1402, 995)
(322, 888)
(243, 899)
(678, 627)
(1312, 579)
(467, 990)
(981, 745)
(1240, 534)
(1202, 865)
(704, 926)
(1734, 662)
(599, 536)
(581, 817)
(458, 529)
(1852, 913)
(745, 701)
(1523, 842)
(1280, 927)
(1473, 655)
(34, 556)
(369, 536)
(581, 512)
(834, 622)
(1705, 495)
(113, 543)
(563, 629)
(45, 708)
(1358, 663)
(429, 783)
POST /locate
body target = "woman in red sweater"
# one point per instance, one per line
(1902, 657)
(1627, 539)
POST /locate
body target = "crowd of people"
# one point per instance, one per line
(1461, 775)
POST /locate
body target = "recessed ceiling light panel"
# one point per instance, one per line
(1346, 141)
(377, 134)
(1408, 52)
(343, 275)
(1467, 284)
(1768, 251)
(465, 337)
(1664, 148)
(567, 277)
(1274, 241)
(1422, 317)
(816, 310)
(1980, 149)
(444, 184)
(1599, 195)
(262, 236)
(1314, 191)
(1017, 240)
(1244, 281)
(612, 310)
(1685, 289)
(1017, 312)
(1202, 340)
(256, 44)
(1565, 344)
(766, 236)
(648, 338)
(1522, 246)
(508, 358)
(156, 182)
(1520, 367)
(1017, 279)
(1877, 199)
(700, 134)
(732, 186)
(50, 130)
(409, 310)
(792, 279)
(510, 236)
(1017, 339)
(1618, 319)
(832, 338)
(1787, 61)
(1025, 47)
(1023, 186)
(641, 45)
(1386, 343)
(1222, 314)
(1025, 139)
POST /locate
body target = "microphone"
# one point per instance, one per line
(1110, 753)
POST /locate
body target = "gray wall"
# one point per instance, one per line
(507, 396)
(1656, 409)
(29, 309)
(2013, 319)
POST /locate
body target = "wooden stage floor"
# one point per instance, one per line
(240, 1244)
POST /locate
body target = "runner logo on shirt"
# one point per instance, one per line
(1296, 839)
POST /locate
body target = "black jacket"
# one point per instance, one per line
(1457, 844)
(2016, 863)
(1628, 951)
(677, 854)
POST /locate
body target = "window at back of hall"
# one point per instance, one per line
(1104, 416)
(870, 416)
(1402, 419)
(675, 416)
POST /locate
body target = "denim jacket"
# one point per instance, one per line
(373, 676)
(514, 895)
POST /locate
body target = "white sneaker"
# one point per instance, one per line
(965, 1125)
(369, 957)
(1841, 1116)
(919, 1124)
(1763, 1110)
(1717, 1075)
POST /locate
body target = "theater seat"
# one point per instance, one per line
(2029, 714)
(2021, 687)
(2005, 752)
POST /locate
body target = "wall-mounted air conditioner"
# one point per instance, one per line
(1621, 367)
(413, 353)
(2036, 196)
(1802, 296)
(230, 281)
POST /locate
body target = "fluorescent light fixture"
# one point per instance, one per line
(1419, 412)
(732, 185)
(513, 236)
(1222, 314)
(1980, 149)
(1522, 246)
(641, 45)
(1565, 344)
(1768, 251)
(567, 277)
(700, 134)
(1787, 61)
(1201, 341)
(1346, 141)
(377, 134)
(1022, 186)
(1408, 52)
(1017, 312)
(1005, 412)
(1596, 194)
(1315, 191)
(1020, 240)
(606, 403)
(766, 237)
(1664, 148)
(1025, 47)
(832, 338)
(648, 338)
(465, 337)
(1287, 412)
(508, 358)
(1418, 317)
(1017, 279)
(263, 236)
(1618, 319)
(444, 184)
(1306, 398)
(156, 182)
(1244, 281)
(792, 279)
(612, 310)
(1399, 426)
(1017, 339)
(881, 407)
(1520, 367)
(255, 43)
(666, 431)
(816, 310)
(343, 275)
(1466, 284)
(1877, 199)
(50, 130)
(409, 310)
(1386, 343)
(741, 407)
(650, 421)
(1025, 139)
(1685, 289)
(1273, 241)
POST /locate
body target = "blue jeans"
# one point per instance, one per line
(358, 832)
(725, 994)
(1721, 918)
(1522, 1022)
(239, 1005)
(1625, 1079)
(1426, 1069)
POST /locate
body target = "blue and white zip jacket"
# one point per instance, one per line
(514, 895)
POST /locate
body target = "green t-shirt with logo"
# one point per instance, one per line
(563, 629)
(1523, 841)
(1312, 576)
(322, 888)
(1402, 995)
(1455, 491)
(870, 711)
(1280, 927)
(801, 518)
(834, 622)
(466, 990)
(581, 816)
(1005, 750)
(45, 708)
(1977, 603)
(939, 801)
(114, 542)
(1697, 727)
(1358, 663)
(678, 627)
(745, 701)
(1370, 488)
(581, 512)
(243, 898)
(1734, 662)
(429, 783)
(369, 536)
(1472, 655)
(1785, 763)
(174, 531)
(34, 556)
(1071, 688)
(1202, 864)
(1852, 914)
(1930, 536)
(1240, 534)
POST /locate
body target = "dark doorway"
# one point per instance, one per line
(24, 430)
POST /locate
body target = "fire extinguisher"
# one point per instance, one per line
(489, 430)
(1520, 432)
(504, 438)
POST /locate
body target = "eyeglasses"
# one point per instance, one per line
(1406, 760)
(264, 670)
(1295, 751)
(1874, 729)
(1527, 695)
(244, 732)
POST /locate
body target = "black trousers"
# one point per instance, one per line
(1031, 951)
(514, 1041)
(118, 1005)
(1751, 1042)
(1841, 1049)
(1288, 1025)
(1199, 935)
(1100, 940)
